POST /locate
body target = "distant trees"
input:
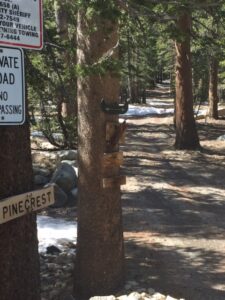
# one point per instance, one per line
(52, 75)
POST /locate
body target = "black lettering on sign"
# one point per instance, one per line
(3, 96)
(43, 197)
(7, 78)
(5, 211)
(9, 62)
(10, 109)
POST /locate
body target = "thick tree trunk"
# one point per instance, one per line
(69, 103)
(213, 86)
(19, 259)
(186, 133)
(99, 265)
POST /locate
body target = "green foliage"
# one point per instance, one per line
(51, 75)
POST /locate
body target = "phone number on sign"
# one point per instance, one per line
(9, 37)
(9, 18)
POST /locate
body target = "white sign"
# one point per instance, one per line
(21, 23)
(17, 206)
(12, 92)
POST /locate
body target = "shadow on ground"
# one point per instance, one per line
(174, 211)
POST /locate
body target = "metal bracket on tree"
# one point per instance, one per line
(114, 108)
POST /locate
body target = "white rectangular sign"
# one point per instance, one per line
(12, 91)
(17, 206)
(21, 23)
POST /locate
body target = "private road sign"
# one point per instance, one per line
(21, 23)
(12, 98)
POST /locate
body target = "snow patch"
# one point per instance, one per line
(136, 110)
(57, 232)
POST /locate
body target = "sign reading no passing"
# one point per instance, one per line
(12, 98)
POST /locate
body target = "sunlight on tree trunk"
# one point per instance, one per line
(69, 105)
(186, 133)
(213, 86)
(99, 265)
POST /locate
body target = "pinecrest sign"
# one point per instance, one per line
(18, 206)
(21, 23)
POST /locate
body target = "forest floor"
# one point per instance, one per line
(174, 208)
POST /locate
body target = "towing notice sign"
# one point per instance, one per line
(21, 23)
(12, 91)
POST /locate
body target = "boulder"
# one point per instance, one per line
(41, 171)
(65, 177)
(61, 198)
(72, 198)
(67, 155)
(52, 250)
(40, 180)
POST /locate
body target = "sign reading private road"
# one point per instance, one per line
(17, 206)
(21, 23)
(12, 93)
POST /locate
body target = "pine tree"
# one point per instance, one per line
(99, 265)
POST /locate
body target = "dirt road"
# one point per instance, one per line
(174, 210)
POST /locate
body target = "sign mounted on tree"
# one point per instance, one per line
(21, 23)
(18, 206)
(12, 92)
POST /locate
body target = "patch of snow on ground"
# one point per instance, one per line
(55, 232)
(137, 110)
(157, 102)
(201, 112)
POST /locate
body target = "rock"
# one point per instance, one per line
(72, 198)
(67, 155)
(65, 177)
(221, 138)
(69, 162)
(52, 266)
(44, 158)
(53, 250)
(151, 291)
(103, 298)
(123, 297)
(60, 197)
(170, 298)
(40, 180)
(41, 171)
(134, 296)
(158, 296)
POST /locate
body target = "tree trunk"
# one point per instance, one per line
(129, 76)
(99, 265)
(186, 133)
(213, 86)
(19, 259)
(69, 103)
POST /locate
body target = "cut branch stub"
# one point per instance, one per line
(111, 182)
(112, 159)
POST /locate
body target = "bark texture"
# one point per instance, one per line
(99, 265)
(186, 133)
(69, 103)
(213, 87)
(19, 259)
